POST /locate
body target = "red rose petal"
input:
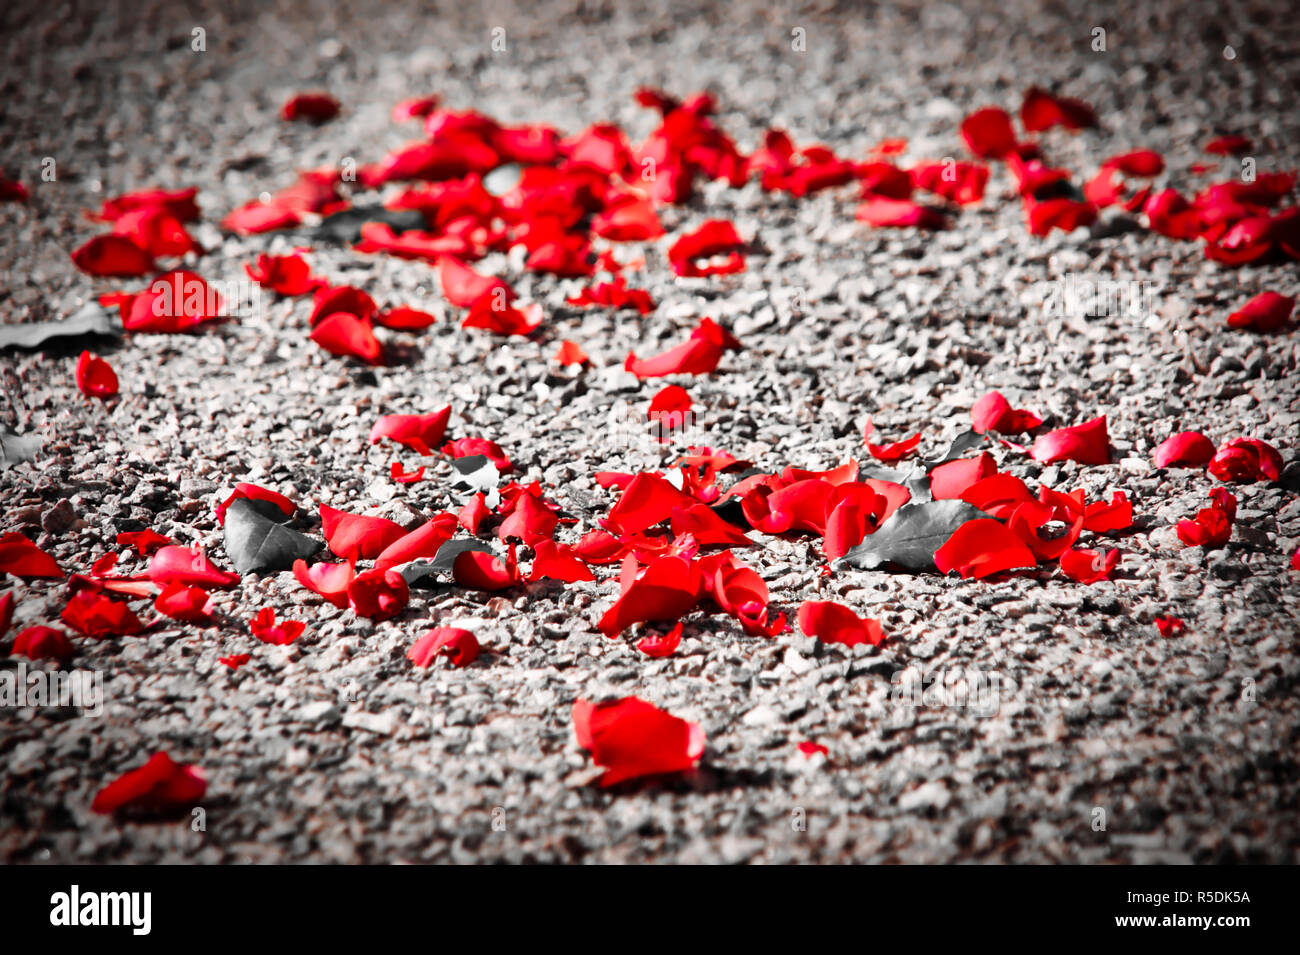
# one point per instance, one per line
(1088, 566)
(347, 336)
(631, 738)
(356, 536)
(988, 133)
(420, 433)
(329, 580)
(1087, 443)
(831, 622)
(43, 643)
(21, 558)
(314, 107)
(1186, 449)
(187, 566)
(112, 256)
(1266, 312)
(658, 646)
(159, 785)
(982, 547)
(994, 413)
(378, 594)
(459, 647)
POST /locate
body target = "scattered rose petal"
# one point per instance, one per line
(631, 738)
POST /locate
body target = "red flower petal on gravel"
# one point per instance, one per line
(1266, 312)
(632, 738)
(474, 514)
(98, 616)
(988, 133)
(1229, 146)
(1114, 516)
(12, 191)
(177, 564)
(708, 529)
(264, 627)
(419, 432)
(530, 521)
(491, 312)
(959, 182)
(1189, 449)
(1245, 460)
(284, 274)
(810, 749)
(630, 218)
(1212, 528)
(421, 543)
(21, 558)
(1041, 110)
(1027, 519)
(179, 301)
(481, 571)
(144, 542)
(332, 299)
(851, 514)
(256, 217)
(571, 353)
(983, 547)
(176, 202)
(668, 588)
(1169, 626)
(6, 612)
(156, 231)
(715, 237)
(557, 562)
(95, 377)
(378, 594)
(671, 402)
(1087, 443)
(1088, 566)
(952, 479)
(314, 107)
(600, 547)
(994, 413)
(347, 336)
(801, 505)
(329, 580)
(256, 493)
(831, 622)
(112, 256)
(469, 447)
(899, 213)
(459, 647)
(696, 356)
(416, 107)
(43, 643)
(358, 537)
(235, 660)
(402, 476)
(405, 319)
(998, 495)
(462, 286)
(187, 604)
(648, 500)
(1060, 213)
(159, 785)
(659, 645)
(894, 451)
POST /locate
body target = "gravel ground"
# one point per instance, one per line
(334, 749)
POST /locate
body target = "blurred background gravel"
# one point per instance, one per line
(335, 750)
